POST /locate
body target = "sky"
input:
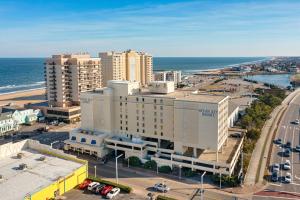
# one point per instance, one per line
(188, 28)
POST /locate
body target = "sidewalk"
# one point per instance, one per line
(260, 154)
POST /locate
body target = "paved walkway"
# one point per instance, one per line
(260, 155)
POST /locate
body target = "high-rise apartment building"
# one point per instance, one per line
(67, 75)
(174, 76)
(175, 128)
(129, 65)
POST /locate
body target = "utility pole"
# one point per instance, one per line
(95, 171)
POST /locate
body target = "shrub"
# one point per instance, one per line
(229, 181)
(160, 197)
(124, 188)
(165, 169)
(135, 161)
(253, 134)
(188, 172)
(151, 164)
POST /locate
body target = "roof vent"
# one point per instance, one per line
(20, 155)
(22, 166)
(42, 158)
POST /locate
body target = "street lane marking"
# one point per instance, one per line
(292, 161)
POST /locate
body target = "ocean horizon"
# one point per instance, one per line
(23, 74)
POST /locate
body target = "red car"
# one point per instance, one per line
(84, 184)
(106, 190)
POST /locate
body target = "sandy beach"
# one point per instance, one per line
(21, 98)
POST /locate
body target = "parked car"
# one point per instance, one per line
(161, 187)
(286, 153)
(288, 178)
(92, 185)
(99, 188)
(296, 121)
(274, 177)
(287, 165)
(275, 167)
(114, 192)
(106, 189)
(235, 135)
(297, 148)
(288, 144)
(84, 184)
(278, 141)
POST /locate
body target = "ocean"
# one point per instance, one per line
(21, 74)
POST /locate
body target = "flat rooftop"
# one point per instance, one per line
(16, 183)
(186, 95)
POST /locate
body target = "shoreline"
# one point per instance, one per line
(20, 98)
(22, 91)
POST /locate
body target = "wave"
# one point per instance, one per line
(39, 83)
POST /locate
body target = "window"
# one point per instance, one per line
(83, 140)
(154, 106)
(137, 130)
(143, 130)
(155, 126)
(161, 121)
(120, 103)
(143, 125)
(73, 138)
(93, 142)
(154, 100)
(143, 99)
(126, 116)
(162, 134)
(121, 116)
(126, 122)
(121, 128)
(120, 121)
(161, 101)
(137, 124)
(137, 118)
(137, 99)
(154, 119)
(154, 113)
(161, 108)
(155, 133)
(120, 97)
(126, 128)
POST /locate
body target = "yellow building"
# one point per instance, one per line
(33, 171)
(129, 65)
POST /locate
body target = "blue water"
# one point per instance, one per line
(193, 64)
(19, 74)
(282, 80)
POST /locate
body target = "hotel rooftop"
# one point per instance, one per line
(41, 170)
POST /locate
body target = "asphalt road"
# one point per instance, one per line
(287, 131)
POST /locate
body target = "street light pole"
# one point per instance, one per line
(51, 144)
(180, 172)
(95, 171)
(202, 185)
(117, 178)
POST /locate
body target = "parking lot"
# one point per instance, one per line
(77, 194)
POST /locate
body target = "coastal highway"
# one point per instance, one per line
(287, 131)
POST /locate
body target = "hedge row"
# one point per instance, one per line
(124, 188)
(160, 197)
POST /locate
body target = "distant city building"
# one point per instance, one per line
(175, 128)
(7, 123)
(67, 75)
(129, 65)
(30, 170)
(174, 76)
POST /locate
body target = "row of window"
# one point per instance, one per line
(83, 140)
(143, 99)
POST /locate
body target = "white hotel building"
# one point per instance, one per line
(175, 128)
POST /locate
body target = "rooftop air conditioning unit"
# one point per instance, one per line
(42, 158)
(20, 155)
(22, 166)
